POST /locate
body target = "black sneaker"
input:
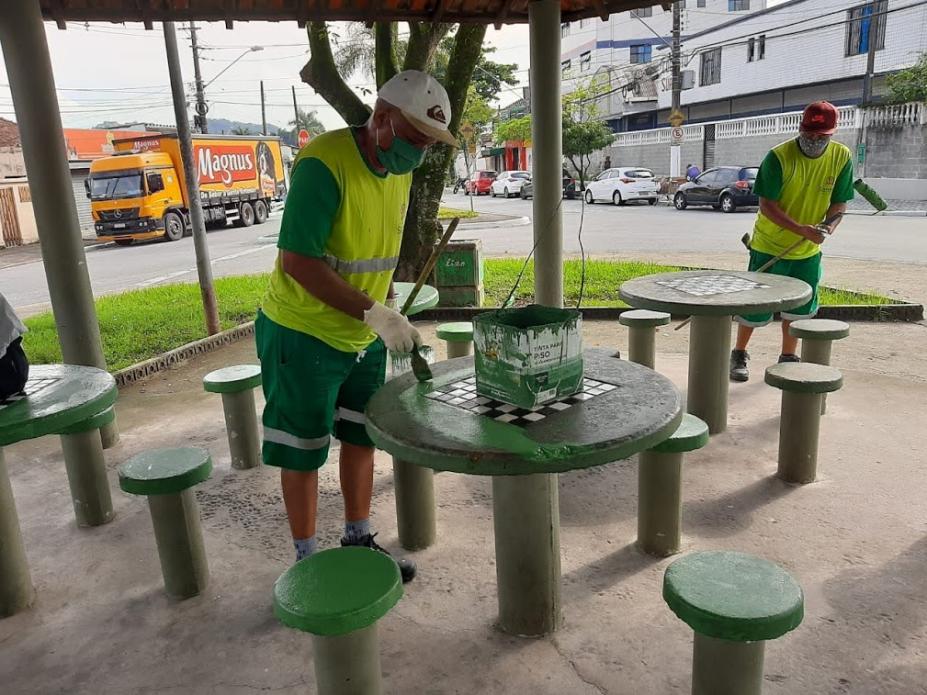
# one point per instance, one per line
(739, 371)
(406, 567)
(789, 358)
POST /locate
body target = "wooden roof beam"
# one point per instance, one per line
(503, 14)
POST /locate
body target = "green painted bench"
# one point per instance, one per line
(803, 385)
(86, 469)
(236, 384)
(166, 477)
(338, 596)
(659, 488)
(459, 338)
(642, 333)
(734, 603)
(817, 339)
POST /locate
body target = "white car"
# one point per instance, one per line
(621, 184)
(509, 183)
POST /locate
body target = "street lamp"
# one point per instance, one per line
(201, 107)
(253, 49)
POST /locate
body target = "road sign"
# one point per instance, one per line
(303, 139)
(466, 131)
(676, 119)
(677, 135)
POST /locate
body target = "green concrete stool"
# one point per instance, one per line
(817, 338)
(338, 596)
(237, 384)
(803, 385)
(86, 468)
(734, 603)
(659, 488)
(642, 325)
(459, 338)
(166, 477)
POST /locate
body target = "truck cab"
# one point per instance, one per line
(131, 195)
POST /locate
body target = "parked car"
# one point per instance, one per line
(479, 183)
(569, 187)
(727, 188)
(509, 183)
(621, 184)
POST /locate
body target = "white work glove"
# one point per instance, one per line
(397, 333)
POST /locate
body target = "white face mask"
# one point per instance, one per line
(812, 147)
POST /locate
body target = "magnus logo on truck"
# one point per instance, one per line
(225, 164)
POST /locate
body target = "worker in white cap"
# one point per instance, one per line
(325, 325)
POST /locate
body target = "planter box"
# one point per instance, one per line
(460, 265)
(461, 296)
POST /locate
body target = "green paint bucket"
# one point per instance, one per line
(529, 356)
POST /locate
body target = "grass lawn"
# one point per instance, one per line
(141, 324)
(451, 213)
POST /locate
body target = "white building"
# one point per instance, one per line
(629, 51)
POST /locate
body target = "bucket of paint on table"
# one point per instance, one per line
(528, 356)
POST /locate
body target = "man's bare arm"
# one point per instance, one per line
(321, 281)
(836, 209)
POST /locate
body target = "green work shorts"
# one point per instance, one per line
(807, 269)
(313, 392)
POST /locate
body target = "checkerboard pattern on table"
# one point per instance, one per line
(33, 386)
(462, 394)
(708, 285)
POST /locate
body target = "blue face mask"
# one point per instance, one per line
(402, 156)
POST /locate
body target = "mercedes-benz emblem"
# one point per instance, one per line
(117, 214)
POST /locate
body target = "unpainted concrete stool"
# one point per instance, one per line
(642, 325)
(237, 384)
(817, 338)
(803, 385)
(86, 469)
(459, 338)
(167, 477)
(734, 603)
(659, 488)
(338, 596)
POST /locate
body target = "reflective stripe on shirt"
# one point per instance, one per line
(362, 265)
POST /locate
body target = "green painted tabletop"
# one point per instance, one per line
(164, 471)
(92, 423)
(643, 411)
(239, 377)
(643, 318)
(804, 377)
(337, 591)
(715, 293)
(691, 434)
(58, 396)
(459, 332)
(426, 299)
(819, 329)
(733, 596)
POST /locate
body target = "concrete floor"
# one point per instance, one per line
(856, 540)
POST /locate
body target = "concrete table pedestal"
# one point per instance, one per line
(86, 468)
(414, 488)
(634, 409)
(16, 591)
(642, 333)
(236, 385)
(817, 339)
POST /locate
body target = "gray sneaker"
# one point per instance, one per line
(789, 357)
(739, 371)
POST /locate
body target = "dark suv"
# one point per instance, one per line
(727, 188)
(569, 187)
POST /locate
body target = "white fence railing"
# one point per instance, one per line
(912, 113)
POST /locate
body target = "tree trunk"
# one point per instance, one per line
(385, 52)
(321, 74)
(424, 38)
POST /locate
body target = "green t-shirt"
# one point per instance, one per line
(805, 188)
(340, 210)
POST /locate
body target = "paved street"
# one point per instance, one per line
(654, 232)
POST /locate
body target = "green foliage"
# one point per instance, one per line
(515, 129)
(241, 130)
(909, 84)
(581, 139)
(489, 77)
(451, 213)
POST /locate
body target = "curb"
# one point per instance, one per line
(143, 370)
(479, 226)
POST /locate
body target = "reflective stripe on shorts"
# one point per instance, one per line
(291, 440)
(350, 416)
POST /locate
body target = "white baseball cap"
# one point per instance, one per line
(423, 102)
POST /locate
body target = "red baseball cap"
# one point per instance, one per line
(820, 117)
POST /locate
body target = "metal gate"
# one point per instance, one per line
(708, 146)
(9, 220)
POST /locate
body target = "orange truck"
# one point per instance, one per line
(140, 192)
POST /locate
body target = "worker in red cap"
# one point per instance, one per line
(803, 186)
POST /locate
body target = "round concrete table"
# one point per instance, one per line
(426, 299)
(711, 298)
(57, 397)
(624, 408)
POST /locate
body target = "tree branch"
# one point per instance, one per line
(385, 52)
(321, 74)
(424, 38)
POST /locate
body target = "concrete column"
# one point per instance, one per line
(659, 502)
(86, 468)
(722, 667)
(455, 349)
(16, 592)
(176, 520)
(818, 352)
(32, 84)
(799, 426)
(241, 426)
(348, 664)
(526, 518)
(414, 488)
(546, 129)
(709, 354)
(642, 345)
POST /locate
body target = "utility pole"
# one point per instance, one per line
(872, 40)
(295, 111)
(203, 267)
(675, 148)
(201, 107)
(263, 111)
